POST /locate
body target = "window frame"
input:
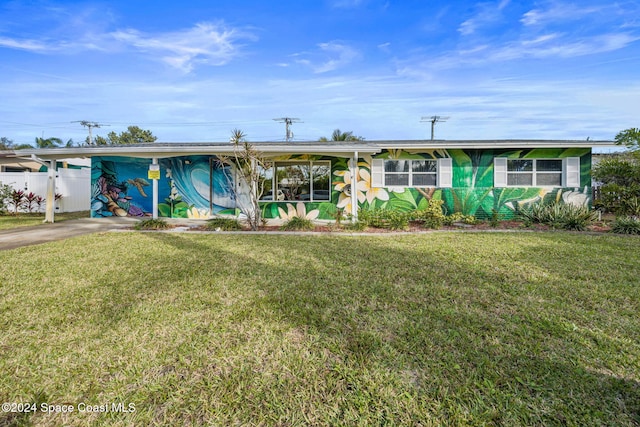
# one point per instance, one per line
(275, 187)
(410, 173)
(534, 172)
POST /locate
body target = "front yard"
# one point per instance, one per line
(434, 329)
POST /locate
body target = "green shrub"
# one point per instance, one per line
(619, 199)
(355, 226)
(626, 225)
(459, 217)
(494, 221)
(559, 215)
(151, 224)
(297, 224)
(224, 224)
(384, 218)
(5, 195)
(432, 216)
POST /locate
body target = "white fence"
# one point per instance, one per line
(73, 184)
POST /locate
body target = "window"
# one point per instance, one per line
(534, 173)
(537, 172)
(410, 173)
(300, 181)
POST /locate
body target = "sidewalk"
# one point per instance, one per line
(33, 235)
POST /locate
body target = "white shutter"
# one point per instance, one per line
(500, 172)
(377, 173)
(572, 172)
(445, 172)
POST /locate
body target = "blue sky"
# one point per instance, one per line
(194, 70)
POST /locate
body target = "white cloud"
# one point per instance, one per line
(335, 55)
(487, 13)
(558, 12)
(205, 43)
(29, 45)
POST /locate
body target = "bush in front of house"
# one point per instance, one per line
(297, 224)
(389, 219)
(151, 224)
(626, 225)
(458, 217)
(559, 215)
(430, 217)
(223, 224)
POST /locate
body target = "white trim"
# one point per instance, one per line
(571, 169)
(410, 174)
(354, 186)
(500, 172)
(377, 173)
(444, 173)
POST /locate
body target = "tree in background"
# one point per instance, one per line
(630, 138)
(620, 176)
(6, 143)
(48, 142)
(337, 135)
(133, 135)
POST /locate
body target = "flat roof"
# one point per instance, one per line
(274, 149)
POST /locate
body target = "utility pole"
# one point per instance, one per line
(288, 121)
(89, 125)
(434, 120)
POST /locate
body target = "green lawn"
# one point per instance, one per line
(9, 220)
(434, 329)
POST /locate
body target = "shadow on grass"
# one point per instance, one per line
(464, 328)
(479, 325)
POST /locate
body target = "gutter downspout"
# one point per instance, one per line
(49, 215)
(354, 187)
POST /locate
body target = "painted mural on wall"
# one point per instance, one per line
(199, 186)
(120, 187)
(472, 191)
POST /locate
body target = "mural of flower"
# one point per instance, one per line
(371, 192)
(300, 210)
(576, 198)
(196, 213)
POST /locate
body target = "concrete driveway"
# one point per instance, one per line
(25, 236)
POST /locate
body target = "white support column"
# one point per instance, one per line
(51, 192)
(155, 192)
(354, 187)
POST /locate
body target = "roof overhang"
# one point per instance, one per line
(275, 149)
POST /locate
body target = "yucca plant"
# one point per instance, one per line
(223, 224)
(626, 225)
(559, 215)
(297, 224)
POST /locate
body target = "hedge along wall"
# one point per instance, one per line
(472, 190)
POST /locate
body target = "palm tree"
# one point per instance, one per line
(337, 135)
(48, 143)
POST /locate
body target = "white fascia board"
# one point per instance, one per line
(191, 150)
(504, 144)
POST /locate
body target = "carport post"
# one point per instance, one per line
(51, 192)
(354, 187)
(155, 191)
